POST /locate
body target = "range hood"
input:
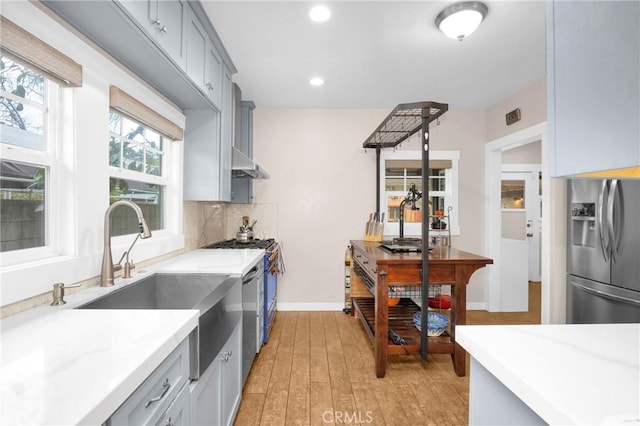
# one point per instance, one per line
(243, 166)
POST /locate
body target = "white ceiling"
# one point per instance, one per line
(377, 54)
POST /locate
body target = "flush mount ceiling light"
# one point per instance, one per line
(319, 13)
(461, 19)
(316, 81)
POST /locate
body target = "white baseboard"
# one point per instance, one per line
(310, 306)
(476, 306)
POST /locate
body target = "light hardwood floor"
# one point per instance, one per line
(318, 369)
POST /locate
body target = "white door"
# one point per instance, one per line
(521, 211)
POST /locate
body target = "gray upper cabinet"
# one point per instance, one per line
(197, 41)
(204, 63)
(164, 42)
(214, 84)
(143, 12)
(593, 80)
(226, 135)
(164, 22)
(171, 20)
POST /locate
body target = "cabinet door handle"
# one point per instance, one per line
(168, 423)
(209, 86)
(225, 357)
(165, 388)
(163, 29)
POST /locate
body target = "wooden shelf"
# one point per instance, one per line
(400, 320)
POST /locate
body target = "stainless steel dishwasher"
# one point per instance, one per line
(249, 314)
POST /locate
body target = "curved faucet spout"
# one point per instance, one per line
(106, 274)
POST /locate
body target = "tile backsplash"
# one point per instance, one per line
(204, 223)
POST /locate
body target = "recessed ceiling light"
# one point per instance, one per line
(316, 81)
(319, 13)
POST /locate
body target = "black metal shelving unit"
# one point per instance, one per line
(404, 121)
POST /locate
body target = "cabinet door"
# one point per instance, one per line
(144, 12)
(202, 155)
(152, 398)
(205, 396)
(179, 412)
(226, 135)
(197, 40)
(214, 84)
(171, 35)
(593, 69)
(231, 372)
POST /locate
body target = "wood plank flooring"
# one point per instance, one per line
(318, 369)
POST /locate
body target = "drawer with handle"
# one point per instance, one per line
(152, 398)
(367, 264)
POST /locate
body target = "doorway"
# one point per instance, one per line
(521, 210)
(495, 150)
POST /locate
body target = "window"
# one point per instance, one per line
(28, 155)
(136, 158)
(402, 169)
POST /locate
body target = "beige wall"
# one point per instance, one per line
(532, 101)
(530, 153)
(323, 183)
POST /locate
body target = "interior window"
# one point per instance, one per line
(401, 170)
(136, 159)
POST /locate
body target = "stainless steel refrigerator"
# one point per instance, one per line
(603, 251)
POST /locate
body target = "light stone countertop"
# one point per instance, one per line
(59, 365)
(567, 374)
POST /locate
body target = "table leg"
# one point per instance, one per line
(382, 326)
(459, 317)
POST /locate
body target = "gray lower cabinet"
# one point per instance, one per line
(215, 397)
(149, 403)
(179, 412)
(593, 85)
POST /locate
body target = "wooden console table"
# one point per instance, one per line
(378, 269)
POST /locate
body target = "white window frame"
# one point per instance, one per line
(450, 195)
(79, 177)
(48, 159)
(172, 195)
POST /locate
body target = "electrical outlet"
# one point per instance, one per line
(512, 116)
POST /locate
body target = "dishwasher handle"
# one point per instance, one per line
(249, 276)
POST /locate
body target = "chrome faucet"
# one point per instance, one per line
(106, 275)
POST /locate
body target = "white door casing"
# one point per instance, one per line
(493, 170)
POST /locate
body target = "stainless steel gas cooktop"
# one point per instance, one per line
(240, 244)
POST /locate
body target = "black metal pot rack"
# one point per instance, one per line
(404, 121)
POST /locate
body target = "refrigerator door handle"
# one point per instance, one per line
(611, 203)
(606, 295)
(604, 245)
